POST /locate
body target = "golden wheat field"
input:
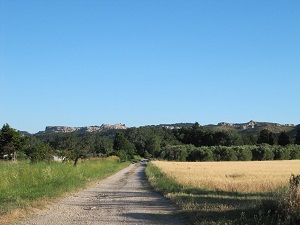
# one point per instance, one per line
(252, 176)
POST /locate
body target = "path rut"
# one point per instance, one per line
(124, 198)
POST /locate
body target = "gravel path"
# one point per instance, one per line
(124, 198)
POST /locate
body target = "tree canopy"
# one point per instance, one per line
(11, 142)
(149, 141)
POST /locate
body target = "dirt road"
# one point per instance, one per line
(124, 198)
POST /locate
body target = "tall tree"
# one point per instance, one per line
(271, 139)
(103, 145)
(283, 139)
(195, 136)
(120, 141)
(122, 144)
(297, 139)
(152, 145)
(10, 142)
(263, 137)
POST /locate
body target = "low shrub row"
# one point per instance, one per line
(232, 153)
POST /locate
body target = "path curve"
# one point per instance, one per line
(124, 198)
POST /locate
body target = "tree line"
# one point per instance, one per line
(229, 153)
(181, 144)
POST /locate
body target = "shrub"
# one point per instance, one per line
(174, 152)
(201, 154)
(223, 153)
(122, 155)
(281, 153)
(295, 151)
(243, 153)
(262, 152)
(285, 208)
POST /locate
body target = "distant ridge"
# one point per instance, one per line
(89, 129)
(251, 125)
(175, 125)
(243, 126)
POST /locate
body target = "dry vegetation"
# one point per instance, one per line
(231, 193)
(252, 176)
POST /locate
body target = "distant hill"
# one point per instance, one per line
(175, 125)
(88, 129)
(248, 127)
(254, 127)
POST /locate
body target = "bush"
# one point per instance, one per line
(284, 209)
(174, 153)
(262, 152)
(295, 151)
(243, 153)
(122, 155)
(201, 154)
(281, 153)
(223, 153)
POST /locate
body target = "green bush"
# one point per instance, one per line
(201, 154)
(174, 153)
(122, 155)
(243, 153)
(262, 152)
(223, 153)
(281, 153)
(295, 151)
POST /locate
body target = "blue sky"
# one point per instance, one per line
(81, 63)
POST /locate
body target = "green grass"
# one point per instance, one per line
(22, 183)
(205, 206)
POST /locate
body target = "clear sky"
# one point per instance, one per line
(138, 62)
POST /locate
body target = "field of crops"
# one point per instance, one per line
(252, 176)
(231, 193)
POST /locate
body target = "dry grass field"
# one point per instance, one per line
(246, 177)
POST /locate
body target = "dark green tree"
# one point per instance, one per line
(11, 141)
(283, 139)
(152, 145)
(120, 141)
(174, 153)
(40, 152)
(262, 152)
(271, 139)
(297, 139)
(84, 147)
(122, 144)
(263, 137)
(195, 135)
(103, 145)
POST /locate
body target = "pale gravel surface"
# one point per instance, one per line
(124, 198)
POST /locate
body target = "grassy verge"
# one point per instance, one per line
(208, 206)
(24, 185)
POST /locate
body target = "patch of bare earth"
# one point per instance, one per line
(124, 198)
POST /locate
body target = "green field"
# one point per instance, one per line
(24, 185)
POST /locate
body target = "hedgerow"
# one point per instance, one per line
(229, 153)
